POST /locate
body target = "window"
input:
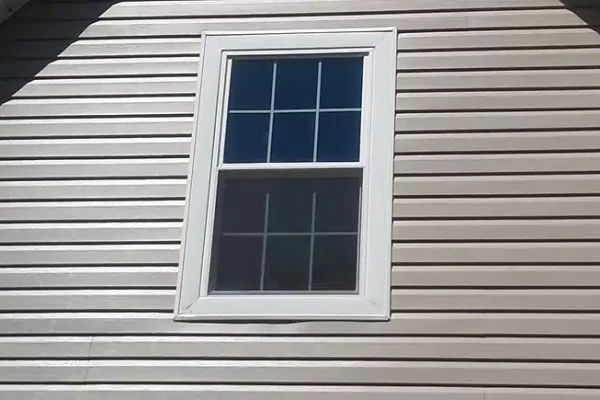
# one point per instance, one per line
(288, 213)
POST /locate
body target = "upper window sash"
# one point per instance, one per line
(223, 111)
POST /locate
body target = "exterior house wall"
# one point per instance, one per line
(497, 196)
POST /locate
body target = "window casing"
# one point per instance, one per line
(270, 205)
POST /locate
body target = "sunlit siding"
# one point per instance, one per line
(496, 253)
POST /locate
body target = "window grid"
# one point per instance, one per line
(250, 234)
(312, 225)
(263, 265)
(314, 195)
(317, 110)
(291, 111)
(265, 234)
(271, 115)
(316, 135)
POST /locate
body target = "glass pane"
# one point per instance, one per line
(296, 85)
(293, 137)
(341, 82)
(250, 85)
(335, 263)
(339, 136)
(287, 263)
(242, 205)
(246, 138)
(290, 205)
(337, 206)
(239, 261)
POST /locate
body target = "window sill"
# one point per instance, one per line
(284, 308)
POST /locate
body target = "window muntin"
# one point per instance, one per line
(301, 235)
(210, 171)
(276, 109)
(292, 241)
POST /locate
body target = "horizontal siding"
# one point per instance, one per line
(298, 372)
(187, 25)
(106, 48)
(215, 392)
(56, 127)
(97, 107)
(491, 230)
(403, 208)
(420, 41)
(497, 121)
(91, 232)
(405, 102)
(95, 147)
(410, 186)
(515, 276)
(403, 300)
(499, 79)
(92, 189)
(496, 207)
(84, 87)
(497, 59)
(440, 143)
(121, 210)
(59, 254)
(425, 253)
(523, 100)
(466, 253)
(413, 230)
(495, 276)
(403, 276)
(406, 42)
(36, 169)
(100, 67)
(87, 277)
(510, 185)
(238, 392)
(496, 163)
(428, 323)
(171, 9)
(351, 347)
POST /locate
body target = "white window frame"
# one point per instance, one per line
(372, 302)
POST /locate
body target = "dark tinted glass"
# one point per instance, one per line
(246, 138)
(339, 136)
(296, 85)
(243, 203)
(341, 82)
(250, 85)
(239, 262)
(293, 137)
(335, 263)
(239, 233)
(337, 205)
(290, 205)
(287, 263)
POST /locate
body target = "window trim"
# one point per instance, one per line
(373, 300)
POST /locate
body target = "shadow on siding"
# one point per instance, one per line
(587, 10)
(35, 36)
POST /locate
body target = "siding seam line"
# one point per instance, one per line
(87, 366)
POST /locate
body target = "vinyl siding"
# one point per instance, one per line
(495, 276)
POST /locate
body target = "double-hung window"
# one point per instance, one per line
(288, 213)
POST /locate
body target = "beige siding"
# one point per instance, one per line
(496, 212)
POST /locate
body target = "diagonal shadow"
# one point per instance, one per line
(36, 35)
(587, 10)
